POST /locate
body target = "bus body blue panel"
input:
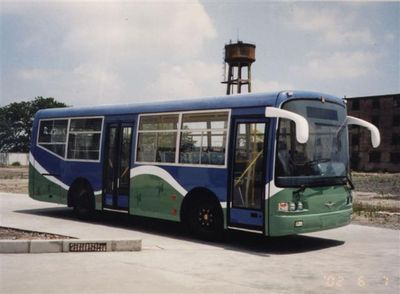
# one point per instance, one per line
(68, 171)
(249, 217)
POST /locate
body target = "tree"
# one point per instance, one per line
(16, 122)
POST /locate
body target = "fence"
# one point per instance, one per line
(13, 158)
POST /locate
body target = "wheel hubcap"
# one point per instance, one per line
(206, 217)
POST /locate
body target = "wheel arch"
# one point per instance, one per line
(77, 184)
(197, 194)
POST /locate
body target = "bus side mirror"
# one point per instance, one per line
(302, 129)
(375, 135)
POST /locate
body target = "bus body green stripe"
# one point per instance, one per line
(42, 189)
(154, 197)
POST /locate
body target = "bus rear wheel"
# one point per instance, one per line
(83, 203)
(205, 220)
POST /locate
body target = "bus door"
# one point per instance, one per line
(117, 166)
(247, 187)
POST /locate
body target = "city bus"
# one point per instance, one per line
(270, 163)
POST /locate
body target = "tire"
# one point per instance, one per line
(83, 203)
(205, 220)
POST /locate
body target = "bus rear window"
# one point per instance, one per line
(52, 135)
(71, 138)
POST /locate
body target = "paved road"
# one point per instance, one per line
(353, 259)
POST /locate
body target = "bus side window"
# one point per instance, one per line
(84, 139)
(157, 138)
(203, 138)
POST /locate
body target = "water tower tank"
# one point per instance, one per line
(239, 55)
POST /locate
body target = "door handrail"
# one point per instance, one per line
(248, 168)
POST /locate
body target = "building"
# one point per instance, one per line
(384, 112)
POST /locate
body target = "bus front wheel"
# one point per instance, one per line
(205, 219)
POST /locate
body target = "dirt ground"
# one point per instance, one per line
(14, 179)
(376, 199)
(16, 234)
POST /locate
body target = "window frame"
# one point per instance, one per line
(396, 120)
(355, 104)
(396, 101)
(38, 143)
(157, 131)
(64, 157)
(395, 141)
(179, 131)
(392, 157)
(84, 132)
(375, 157)
(375, 103)
(355, 140)
(375, 120)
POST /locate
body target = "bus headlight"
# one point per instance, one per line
(290, 206)
(299, 206)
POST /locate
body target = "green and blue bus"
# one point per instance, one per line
(272, 163)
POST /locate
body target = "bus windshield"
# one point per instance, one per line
(323, 160)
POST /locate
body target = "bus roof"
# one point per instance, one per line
(217, 102)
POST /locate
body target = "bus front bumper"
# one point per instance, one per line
(281, 225)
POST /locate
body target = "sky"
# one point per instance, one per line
(109, 52)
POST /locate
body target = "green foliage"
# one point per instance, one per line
(15, 163)
(16, 122)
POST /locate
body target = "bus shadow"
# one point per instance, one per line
(232, 240)
(293, 244)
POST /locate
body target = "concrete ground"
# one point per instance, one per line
(352, 259)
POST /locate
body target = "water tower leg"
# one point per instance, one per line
(249, 77)
(228, 88)
(239, 86)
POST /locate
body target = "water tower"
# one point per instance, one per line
(238, 56)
